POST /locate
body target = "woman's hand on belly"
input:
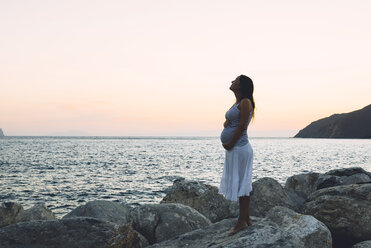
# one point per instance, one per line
(227, 146)
(227, 123)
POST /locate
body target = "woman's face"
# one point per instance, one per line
(235, 86)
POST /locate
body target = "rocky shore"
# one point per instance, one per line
(311, 210)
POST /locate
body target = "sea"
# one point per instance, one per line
(66, 172)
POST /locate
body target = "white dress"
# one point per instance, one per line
(237, 173)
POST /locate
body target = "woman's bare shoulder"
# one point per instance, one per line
(245, 103)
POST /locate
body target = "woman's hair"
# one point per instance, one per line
(247, 90)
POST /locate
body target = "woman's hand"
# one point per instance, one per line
(227, 146)
(227, 123)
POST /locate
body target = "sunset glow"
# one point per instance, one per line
(164, 67)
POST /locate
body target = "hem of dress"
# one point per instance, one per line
(238, 196)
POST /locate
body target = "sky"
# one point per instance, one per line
(149, 68)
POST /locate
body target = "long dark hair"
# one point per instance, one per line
(247, 90)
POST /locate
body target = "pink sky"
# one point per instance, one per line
(164, 67)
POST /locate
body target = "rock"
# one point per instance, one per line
(9, 212)
(347, 172)
(281, 227)
(303, 184)
(357, 179)
(364, 244)
(126, 237)
(158, 222)
(75, 232)
(268, 193)
(37, 212)
(297, 199)
(1, 133)
(345, 210)
(354, 125)
(202, 197)
(104, 210)
(326, 181)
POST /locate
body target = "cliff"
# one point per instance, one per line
(1, 133)
(353, 125)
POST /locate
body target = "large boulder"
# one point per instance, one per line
(158, 222)
(281, 227)
(104, 210)
(11, 213)
(126, 237)
(268, 193)
(307, 183)
(74, 233)
(202, 197)
(346, 210)
(343, 176)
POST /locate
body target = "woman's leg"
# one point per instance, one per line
(245, 209)
(244, 218)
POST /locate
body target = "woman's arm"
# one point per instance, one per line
(245, 109)
(227, 123)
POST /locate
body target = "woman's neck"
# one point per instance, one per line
(238, 96)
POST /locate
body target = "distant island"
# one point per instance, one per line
(1, 133)
(353, 125)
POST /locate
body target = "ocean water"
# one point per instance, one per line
(66, 172)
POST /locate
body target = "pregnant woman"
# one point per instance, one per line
(236, 179)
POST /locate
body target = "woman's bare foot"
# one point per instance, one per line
(238, 227)
(249, 223)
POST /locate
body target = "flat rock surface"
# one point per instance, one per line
(281, 227)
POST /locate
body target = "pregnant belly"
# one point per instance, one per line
(227, 134)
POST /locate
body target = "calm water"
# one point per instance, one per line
(65, 172)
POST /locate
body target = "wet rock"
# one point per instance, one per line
(126, 237)
(364, 244)
(158, 222)
(37, 212)
(104, 210)
(73, 233)
(281, 227)
(346, 211)
(9, 212)
(202, 197)
(268, 193)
